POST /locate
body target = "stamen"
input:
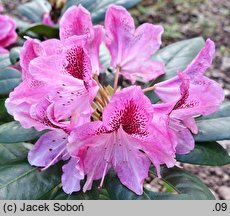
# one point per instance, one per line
(103, 176)
(100, 101)
(149, 89)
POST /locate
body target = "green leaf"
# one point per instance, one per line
(9, 79)
(187, 185)
(98, 8)
(185, 182)
(103, 194)
(13, 132)
(19, 180)
(92, 194)
(4, 116)
(206, 153)
(11, 153)
(175, 57)
(58, 194)
(4, 61)
(34, 10)
(14, 54)
(104, 56)
(213, 129)
(42, 30)
(117, 191)
(215, 126)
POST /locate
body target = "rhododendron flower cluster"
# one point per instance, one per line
(96, 128)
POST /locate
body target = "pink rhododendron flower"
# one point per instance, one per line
(195, 95)
(77, 21)
(3, 51)
(38, 98)
(1, 8)
(8, 34)
(38, 102)
(127, 139)
(46, 19)
(52, 147)
(131, 49)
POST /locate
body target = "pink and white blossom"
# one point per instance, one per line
(128, 138)
(194, 95)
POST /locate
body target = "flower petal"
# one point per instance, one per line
(49, 149)
(131, 49)
(129, 108)
(202, 97)
(94, 46)
(7, 31)
(95, 166)
(72, 175)
(194, 72)
(46, 19)
(86, 135)
(75, 21)
(185, 140)
(30, 50)
(202, 61)
(130, 164)
(20, 101)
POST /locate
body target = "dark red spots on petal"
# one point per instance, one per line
(47, 122)
(131, 118)
(101, 130)
(184, 95)
(78, 63)
(184, 102)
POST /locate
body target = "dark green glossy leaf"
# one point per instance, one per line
(4, 61)
(14, 54)
(34, 10)
(103, 194)
(10, 153)
(117, 191)
(4, 116)
(13, 132)
(185, 182)
(42, 30)
(175, 57)
(213, 129)
(215, 126)
(19, 180)
(206, 153)
(9, 79)
(58, 194)
(98, 7)
(89, 195)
